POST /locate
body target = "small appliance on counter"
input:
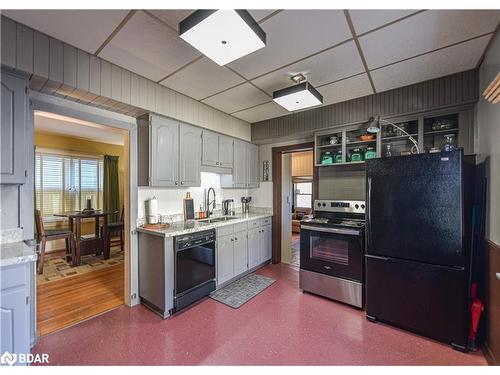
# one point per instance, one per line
(228, 207)
(152, 216)
(245, 204)
(332, 249)
(188, 207)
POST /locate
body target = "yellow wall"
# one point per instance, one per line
(65, 143)
(302, 164)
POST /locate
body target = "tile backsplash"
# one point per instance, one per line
(170, 199)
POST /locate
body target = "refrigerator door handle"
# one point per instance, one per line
(377, 257)
(368, 214)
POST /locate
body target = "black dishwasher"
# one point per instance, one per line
(194, 267)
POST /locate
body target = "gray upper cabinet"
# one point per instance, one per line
(189, 155)
(217, 150)
(13, 127)
(252, 166)
(164, 151)
(240, 164)
(225, 152)
(210, 146)
(168, 152)
(245, 166)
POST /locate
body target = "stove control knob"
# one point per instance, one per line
(324, 204)
(363, 206)
(319, 204)
(356, 206)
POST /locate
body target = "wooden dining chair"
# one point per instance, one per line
(117, 228)
(44, 235)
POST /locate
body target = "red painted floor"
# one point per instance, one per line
(280, 326)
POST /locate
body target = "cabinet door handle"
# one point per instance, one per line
(236, 238)
(182, 182)
(177, 183)
(232, 239)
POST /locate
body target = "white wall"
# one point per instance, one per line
(170, 200)
(488, 138)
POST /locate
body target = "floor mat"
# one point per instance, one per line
(58, 268)
(241, 291)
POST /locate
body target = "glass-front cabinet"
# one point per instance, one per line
(433, 133)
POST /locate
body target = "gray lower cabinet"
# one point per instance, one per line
(240, 251)
(16, 308)
(14, 102)
(168, 152)
(241, 247)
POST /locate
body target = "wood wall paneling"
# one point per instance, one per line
(63, 70)
(454, 90)
(302, 164)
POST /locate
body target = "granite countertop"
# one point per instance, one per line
(190, 226)
(16, 253)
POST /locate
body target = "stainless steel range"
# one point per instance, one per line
(332, 250)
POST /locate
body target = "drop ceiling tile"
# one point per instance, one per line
(350, 88)
(237, 98)
(148, 48)
(365, 20)
(172, 17)
(261, 112)
(259, 14)
(425, 32)
(441, 63)
(337, 63)
(202, 78)
(292, 35)
(82, 28)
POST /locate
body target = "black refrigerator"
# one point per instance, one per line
(418, 243)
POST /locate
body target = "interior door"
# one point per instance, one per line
(210, 149)
(286, 208)
(190, 156)
(411, 195)
(164, 158)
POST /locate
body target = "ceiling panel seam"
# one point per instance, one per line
(358, 45)
(115, 31)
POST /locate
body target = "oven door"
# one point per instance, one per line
(194, 267)
(332, 251)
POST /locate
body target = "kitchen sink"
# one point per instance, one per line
(217, 219)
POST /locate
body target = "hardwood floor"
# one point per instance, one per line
(63, 303)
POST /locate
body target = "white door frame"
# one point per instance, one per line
(286, 207)
(64, 107)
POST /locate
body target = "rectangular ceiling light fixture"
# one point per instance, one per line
(300, 96)
(222, 35)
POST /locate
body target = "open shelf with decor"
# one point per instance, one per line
(351, 145)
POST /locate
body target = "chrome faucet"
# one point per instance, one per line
(209, 202)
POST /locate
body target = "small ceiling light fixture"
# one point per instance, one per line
(300, 96)
(223, 35)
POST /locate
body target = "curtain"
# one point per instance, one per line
(111, 188)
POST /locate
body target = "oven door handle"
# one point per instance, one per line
(349, 232)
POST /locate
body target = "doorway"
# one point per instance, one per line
(79, 165)
(294, 189)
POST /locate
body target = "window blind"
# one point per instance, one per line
(63, 182)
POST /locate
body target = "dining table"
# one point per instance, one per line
(88, 244)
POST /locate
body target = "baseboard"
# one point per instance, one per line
(490, 358)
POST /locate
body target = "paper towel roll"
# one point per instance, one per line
(152, 207)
